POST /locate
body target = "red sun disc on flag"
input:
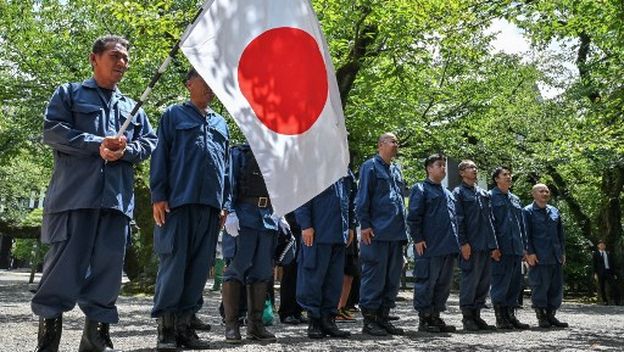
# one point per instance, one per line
(283, 76)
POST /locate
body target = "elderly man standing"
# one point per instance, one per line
(90, 199)
(187, 179)
(546, 256)
(380, 211)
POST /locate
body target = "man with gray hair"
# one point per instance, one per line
(90, 199)
(380, 211)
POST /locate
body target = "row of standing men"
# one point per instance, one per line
(90, 202)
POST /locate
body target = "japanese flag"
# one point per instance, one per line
(268, 63)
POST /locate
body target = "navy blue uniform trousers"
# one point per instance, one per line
(186, 246)
(84, 263)
(319, 278)
(506, 281)
(432, 282)
(253, 260)
(546, 286)
(476, 273)
(382, 265)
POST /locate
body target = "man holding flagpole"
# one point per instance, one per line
(90, 201)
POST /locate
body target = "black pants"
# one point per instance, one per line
(288, 291)
(605, 279)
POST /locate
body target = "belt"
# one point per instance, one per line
(261, 202)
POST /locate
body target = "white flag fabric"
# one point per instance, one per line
(268, 63)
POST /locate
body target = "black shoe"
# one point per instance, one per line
(482, 324)
(314, 328)
(197, 324)
(384, 322)
(96, 337)
(291, 320)
(186, 336)
(166, 333)
(328, 326)
(49, 334)
(437, 321)
(468, 320)
(425, 324)
(542, 319)
(550, 316)
(502, 320)
(514, 321)
(371, 326)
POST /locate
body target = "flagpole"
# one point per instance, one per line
(163, 66)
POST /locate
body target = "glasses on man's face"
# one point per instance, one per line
(470, 167)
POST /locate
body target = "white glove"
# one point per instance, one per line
(282, 224)
(231, 224)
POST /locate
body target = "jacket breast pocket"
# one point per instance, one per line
(88, 118)
(190, 136)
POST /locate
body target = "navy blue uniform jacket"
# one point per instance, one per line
(545, 236)
(431, 218)
(508, 222)
(474, 217)
(331, 213)
(189, 163)
(379, 201)
(77, 119)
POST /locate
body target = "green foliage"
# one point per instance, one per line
(29, 250)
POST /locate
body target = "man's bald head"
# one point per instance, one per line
(541, 194)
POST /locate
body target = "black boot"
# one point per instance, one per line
(186, 336)
(468, 320)
(166, 333)
(371, 326)
(384, 321)
(437, 321)
(542, 319)
(425, 324)
(49, 334)
(230, 295)
(314, 328)
(502, 321)
(550, 315)
(482, 324)
(328, 326)
(96, 337)
(197, 324)
(511, 313)
(256, 294)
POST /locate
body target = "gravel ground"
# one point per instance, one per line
(592, 327)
